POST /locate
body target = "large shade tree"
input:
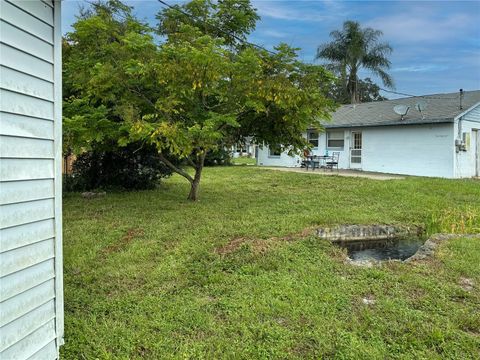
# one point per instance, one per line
(353, 48)
(195, 89)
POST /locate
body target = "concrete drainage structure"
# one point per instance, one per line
(344, 233)
(368, 245)
(352, 234)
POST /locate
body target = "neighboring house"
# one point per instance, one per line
(442, 141)
(31, 287)
(243, 149)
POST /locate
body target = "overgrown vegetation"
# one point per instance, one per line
(455, 220)
(134, 167)
(219, 156)
(235, 276)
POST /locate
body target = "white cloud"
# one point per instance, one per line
(275, 34)
(415, 27)
(299, 10)
(421, 68)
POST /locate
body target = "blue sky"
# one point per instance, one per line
(436, 43)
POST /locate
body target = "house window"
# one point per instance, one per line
(274, 150)
(241, 149)
(312, 137)
(335, 140)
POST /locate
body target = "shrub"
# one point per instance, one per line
(218, 157)
(129, 168)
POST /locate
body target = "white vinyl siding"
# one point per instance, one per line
(26, 42)
(465, 161)
(26, 63)
(31, 285)
(26, 169)
(21, 191)
(26, 105)
(27, 127)
(22, 83)
(21, 281)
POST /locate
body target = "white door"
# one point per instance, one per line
(476, 139)
(356, 150)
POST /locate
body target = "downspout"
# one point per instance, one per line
(461, 117)
(458, 140)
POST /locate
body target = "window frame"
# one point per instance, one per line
(314, 139)
(272, 148)
(329, 133)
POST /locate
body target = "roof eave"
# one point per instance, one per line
(420, 122)
(466, 111)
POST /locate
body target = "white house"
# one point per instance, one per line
(31, 287)
(442, 140)
(247, 148)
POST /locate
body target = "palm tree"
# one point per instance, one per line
(353, 48)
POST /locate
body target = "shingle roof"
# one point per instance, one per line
(440, 108)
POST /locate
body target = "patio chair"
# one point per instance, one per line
(333, 163)
(312, 162)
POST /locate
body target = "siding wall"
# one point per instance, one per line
(31, 289)
(465, 161)
(422, 150)
(284, 160)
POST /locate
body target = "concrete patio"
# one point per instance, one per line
(346, 173)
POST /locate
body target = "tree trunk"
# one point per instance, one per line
(353, 91)
(195, 184)
(352, 87)
(194, 187)
(195, 181)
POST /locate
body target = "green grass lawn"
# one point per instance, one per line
(244, 161)
(151, 275)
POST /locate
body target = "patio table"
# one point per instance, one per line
(319, 161)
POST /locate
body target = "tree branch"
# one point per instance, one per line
(190, 161)
(175, 168)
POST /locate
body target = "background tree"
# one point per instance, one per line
(353, 48)
(367, 91)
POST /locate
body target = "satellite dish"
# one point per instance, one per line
(421, 105)
(401, 110)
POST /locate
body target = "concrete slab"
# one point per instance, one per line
(346, 173)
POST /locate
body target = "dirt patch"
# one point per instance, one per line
(369, 300)
(466, 284)
(260, 245)
(232, 245)
(126, 239)
(91, 194)
(143, 351)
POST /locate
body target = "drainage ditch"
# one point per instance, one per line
(389, 249)
(365, 243)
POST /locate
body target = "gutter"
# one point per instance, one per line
(439, 121)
